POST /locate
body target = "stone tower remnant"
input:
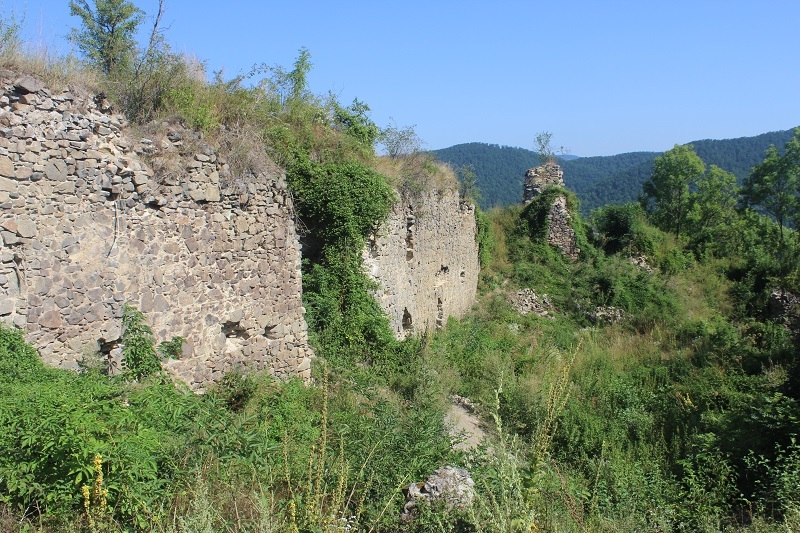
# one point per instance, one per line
(538, 179)
(559, 221)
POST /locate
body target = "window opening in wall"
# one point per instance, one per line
(234, 330)
(270, 333)
(410, 237)
(407, 322)
(439, 314)
(110, 355)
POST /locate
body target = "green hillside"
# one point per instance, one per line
(596, 180)
(649, 384)
(499, 169)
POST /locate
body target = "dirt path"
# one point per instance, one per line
(463, 423)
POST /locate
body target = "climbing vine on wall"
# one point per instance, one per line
(341, 204)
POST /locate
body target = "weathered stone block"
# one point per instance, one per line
(6, 167)
(56, 170)
(26, 228)
(50, 319)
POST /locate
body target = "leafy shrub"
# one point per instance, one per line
(51, 431)
(235, 389)
(675, 261)
(341, 201)
(620, 228)
(342, 204)
(192, 102)
(9, 35)
(138, 351)
(172, 348)
(19, 361)
(778, 485)
(484, 236)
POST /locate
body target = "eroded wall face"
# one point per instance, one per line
(87, 227)
(559, 228)
(425, 260)
(540, 178)
(559, 233)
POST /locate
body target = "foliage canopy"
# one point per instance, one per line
(107, 34)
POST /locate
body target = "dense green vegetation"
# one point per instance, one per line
(601, 180)
(681, 416)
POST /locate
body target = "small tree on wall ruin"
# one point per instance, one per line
(543, 146)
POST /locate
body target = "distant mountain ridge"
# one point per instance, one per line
(597, 180)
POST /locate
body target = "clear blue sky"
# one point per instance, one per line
(604, 77)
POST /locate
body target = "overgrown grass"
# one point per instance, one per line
(683, 416)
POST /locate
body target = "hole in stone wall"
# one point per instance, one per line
(270, 333)
(439, 314)
(407, 322)
(444, 270)
(372, 246)
(110, 353)
(410, 237)
(462, 275)
(234, 330)
(16, 284)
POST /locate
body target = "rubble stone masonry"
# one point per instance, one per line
(86, 226)
(425, 260)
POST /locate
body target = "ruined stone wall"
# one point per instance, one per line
(559, 228)
(538, 179)
(425, 260)
(559, 221)
(87, 226)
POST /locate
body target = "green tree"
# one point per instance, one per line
(9, 34)
(298, 77)
(544, 148)
(355, 121)
(107, 34)
(774, 184)
(619, 227)
(468, 184)
(399, 142)
(666, 194)
(712, 217)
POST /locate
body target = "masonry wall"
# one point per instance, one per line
(86, 226)
(559, 220)
(425, 260)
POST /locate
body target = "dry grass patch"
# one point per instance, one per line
(417, 173)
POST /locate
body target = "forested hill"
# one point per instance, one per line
(499, 170)
(596, 180)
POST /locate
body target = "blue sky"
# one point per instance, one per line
(603, 77)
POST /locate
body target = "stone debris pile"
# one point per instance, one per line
(527, 302)
(448, 486)
(607, 314)
(641, 262)
(785, 306)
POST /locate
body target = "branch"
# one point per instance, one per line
(154, 35)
